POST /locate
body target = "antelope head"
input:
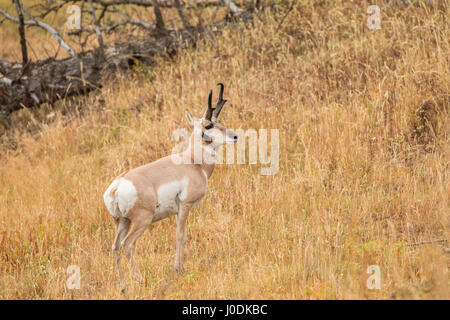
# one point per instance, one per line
(208, 129)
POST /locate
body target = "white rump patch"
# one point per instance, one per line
(123, 198)
(126, 195)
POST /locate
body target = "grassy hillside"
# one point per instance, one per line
(363, 117)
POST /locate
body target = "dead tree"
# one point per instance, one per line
(51, 79)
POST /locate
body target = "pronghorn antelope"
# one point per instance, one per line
(166, 187)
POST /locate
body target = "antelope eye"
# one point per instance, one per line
(209, 126)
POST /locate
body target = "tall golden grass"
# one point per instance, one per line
(364, 178)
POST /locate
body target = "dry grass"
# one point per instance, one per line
(363, 118)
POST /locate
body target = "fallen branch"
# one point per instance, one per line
(110, 28)
(52, 79)
(165, 4)
(139, 23)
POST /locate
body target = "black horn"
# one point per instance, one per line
(220, 103)
(209, 110)
(211, 113)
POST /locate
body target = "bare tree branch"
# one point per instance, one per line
(138, 23)
(285, 16)
(23, 42)
(166, 4)
(48, 9)
(108, 29)
(43, 25)
(182, 16)
(102, 14)
(159, 19)
(80, 42)
(97, 29)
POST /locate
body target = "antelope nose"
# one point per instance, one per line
(235, 138)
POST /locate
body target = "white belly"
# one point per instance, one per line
(170, 196)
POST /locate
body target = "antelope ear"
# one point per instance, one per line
(189, 117)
